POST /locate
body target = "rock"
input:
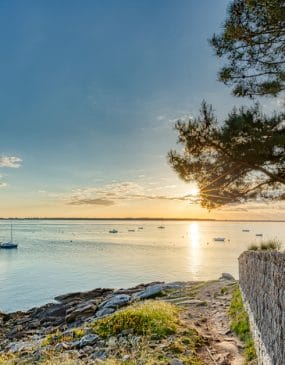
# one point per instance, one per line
(47, 311)
(149, 292)
(99, 356)
(126, 358)
(81, 311)
(21, 346)
(116, 301)
(104, 312)
(174, 285)
(196, 302)
(112, 342)
(176, 362)
(83, 296)
(88, 340)
(227, 276)
(62, 346)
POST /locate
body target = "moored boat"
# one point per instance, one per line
(219, 239)
(10, 244)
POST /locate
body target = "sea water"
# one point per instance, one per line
(56, 257)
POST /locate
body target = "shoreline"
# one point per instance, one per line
(46, 330)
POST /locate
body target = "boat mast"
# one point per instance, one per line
(11, 234)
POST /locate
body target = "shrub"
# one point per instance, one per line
(272, 244)
(253, 247)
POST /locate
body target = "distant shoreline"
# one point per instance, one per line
(144, 219)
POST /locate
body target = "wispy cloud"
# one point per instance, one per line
(99, 201)
(116, 193)
(10, 161)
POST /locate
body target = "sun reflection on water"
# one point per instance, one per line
(194, 249)
(194, 234)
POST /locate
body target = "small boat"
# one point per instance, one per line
(259, 234)
(246, 230)
(8, 245)
(113, 231)
(219, 239)
(161, 227)
(131, 230)
(140, 227)
(11, 244)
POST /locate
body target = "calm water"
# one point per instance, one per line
(56, 257)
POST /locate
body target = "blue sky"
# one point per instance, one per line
(89, 91)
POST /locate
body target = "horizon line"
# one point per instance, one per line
(142, 219)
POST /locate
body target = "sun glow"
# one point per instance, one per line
(194, 192)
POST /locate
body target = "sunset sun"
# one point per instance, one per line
(194, 192)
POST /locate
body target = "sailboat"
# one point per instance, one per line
(10, 244)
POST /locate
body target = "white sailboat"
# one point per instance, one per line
(10, 244)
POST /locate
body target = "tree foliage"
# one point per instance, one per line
(239, 160)
(253, 42)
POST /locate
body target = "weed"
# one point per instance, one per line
(225, 290)
(240, 324)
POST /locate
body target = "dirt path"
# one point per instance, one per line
(205, 307)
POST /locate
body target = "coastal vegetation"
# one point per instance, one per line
(152, 318)
(273, 245)
(240, 324)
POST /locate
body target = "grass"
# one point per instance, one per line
(240, 324)
(270, 245)
(155, 318)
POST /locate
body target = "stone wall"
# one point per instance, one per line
(262, 282)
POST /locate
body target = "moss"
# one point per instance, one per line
(148, 318)
(240, 324)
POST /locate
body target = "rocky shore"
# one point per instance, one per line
(90, 327)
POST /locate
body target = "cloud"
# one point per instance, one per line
(116, 193)
(254, 207)
(2, 184)
(10, 161)
(99, 201)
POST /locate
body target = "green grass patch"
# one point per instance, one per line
(240, 324)
(151, 318)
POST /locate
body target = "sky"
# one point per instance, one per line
(90, 91)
